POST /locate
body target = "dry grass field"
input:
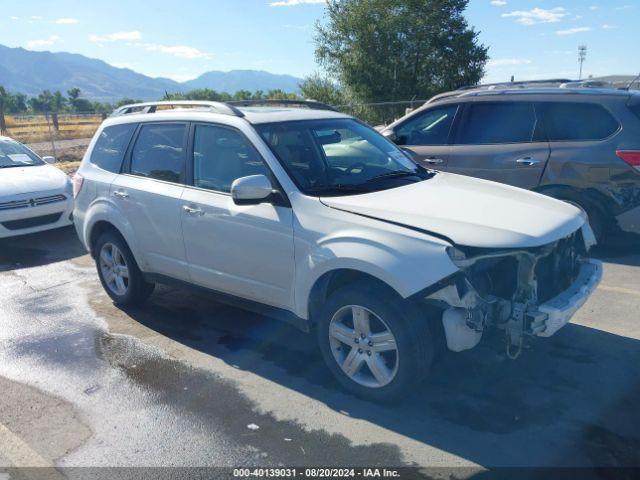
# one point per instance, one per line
(42, 128)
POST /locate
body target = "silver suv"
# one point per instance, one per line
(577, 144)
(311, 216)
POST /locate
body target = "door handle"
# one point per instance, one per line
(527, 161)
(434, 161)
(120, 194)
(192, 210)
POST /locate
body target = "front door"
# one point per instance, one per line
(243, 250)
(502, 142)
(426, 134)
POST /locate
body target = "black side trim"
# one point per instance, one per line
(31, 222)
(256, 307)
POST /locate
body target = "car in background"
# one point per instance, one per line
(34, 195)
(577, 144)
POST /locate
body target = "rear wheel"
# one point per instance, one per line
(372, 345)
(119, 272)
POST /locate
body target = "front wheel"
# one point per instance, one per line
(374, 346)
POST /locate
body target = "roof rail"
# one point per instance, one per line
(151, 107)
(519, 84)
(312, 104)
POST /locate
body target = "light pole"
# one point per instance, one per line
(582, 56)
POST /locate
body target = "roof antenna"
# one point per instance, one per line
(628, 87)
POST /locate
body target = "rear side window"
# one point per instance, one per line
(635, 109)
(111, 146)
(564, 121)
(159, 152)
(495, 123)
(428, 128)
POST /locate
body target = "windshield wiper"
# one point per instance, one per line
(11, 166)
(394, 174)
(340, 188)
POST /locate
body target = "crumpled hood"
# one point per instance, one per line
(470, 212)
(41, 178)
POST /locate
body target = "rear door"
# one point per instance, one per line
(427, 135)
(149, 193)
(500, 141)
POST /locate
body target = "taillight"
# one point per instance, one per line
(632, 157)
(77, 184)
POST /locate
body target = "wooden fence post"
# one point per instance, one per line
(3, 123)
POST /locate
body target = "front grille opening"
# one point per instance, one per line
(31, 222)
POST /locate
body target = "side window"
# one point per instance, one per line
(566, 121)
(428, 128)
(111, 146)
(220, 156)
(159, 152)
(495, 123)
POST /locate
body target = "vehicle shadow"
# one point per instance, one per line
(568, 400)
(39, 249)
(624, 250)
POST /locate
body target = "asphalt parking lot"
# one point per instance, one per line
(185, 381)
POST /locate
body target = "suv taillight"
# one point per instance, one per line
(77, 184)
(632, 157)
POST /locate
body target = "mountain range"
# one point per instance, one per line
(31, 72)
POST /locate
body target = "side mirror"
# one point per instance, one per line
(409, 153)
(251, 190)
(389, 134)
(49, 159)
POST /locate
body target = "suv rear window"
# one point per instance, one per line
(566, 121)
(159, 152)
(494, 123)
(111, 145)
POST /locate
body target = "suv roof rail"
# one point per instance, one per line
(152, 107)
(312, 104)
(520, 84)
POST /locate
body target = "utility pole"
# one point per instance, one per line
(582, 56)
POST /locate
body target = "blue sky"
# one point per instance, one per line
(182, 39)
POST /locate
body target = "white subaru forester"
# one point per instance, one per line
(310, 216)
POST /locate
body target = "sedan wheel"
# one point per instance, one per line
(364, 346)
(114, 269)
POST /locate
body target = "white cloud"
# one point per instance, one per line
(609, 27)
(537, 15)
(593, 7)
(506, 62)
(53, 39)
(115, 37)
(15, 18)
(573, 31)
(181, 51)
(291, 3)
(67, 21)
(498, 3)
(36, 17)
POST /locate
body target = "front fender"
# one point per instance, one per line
(406, 264)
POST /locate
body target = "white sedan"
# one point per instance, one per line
(34, 196)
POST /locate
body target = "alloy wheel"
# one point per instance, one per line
(364, 346)
(114, 269)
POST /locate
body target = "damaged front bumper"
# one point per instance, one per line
(474, 302)
(557, 312)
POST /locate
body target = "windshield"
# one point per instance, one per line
(339, 157)
(13, 154)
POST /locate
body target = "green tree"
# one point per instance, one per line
(322, 89)
(77, 103)
(390, 50)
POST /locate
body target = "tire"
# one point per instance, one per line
(406, 367)
(133, 290)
